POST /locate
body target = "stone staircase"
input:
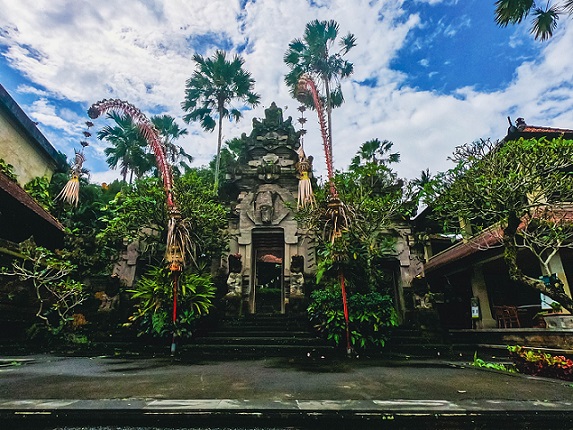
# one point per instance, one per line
(257, 336)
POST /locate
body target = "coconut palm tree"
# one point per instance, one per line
(128, 150)
(213, 86)
(313, 55)
(169, 131)
(544, 17)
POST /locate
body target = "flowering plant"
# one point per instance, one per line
(535, 362)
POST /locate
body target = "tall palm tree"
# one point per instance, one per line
(215, 83)
(128, 150)
(313, 55)
(544, 18)
(169, 131)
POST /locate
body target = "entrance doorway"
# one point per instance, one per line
(268, 254)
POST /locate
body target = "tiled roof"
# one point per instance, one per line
(491, 238)
(26, 200)
(536, 129)
(525, 130)
(485, 240)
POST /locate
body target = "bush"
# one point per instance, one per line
(534, 362)
(370, 317)
(154, 294)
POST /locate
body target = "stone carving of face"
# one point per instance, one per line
(266, 214)
(264, 204)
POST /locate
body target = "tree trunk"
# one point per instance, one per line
(328, 115)
(218, 159)
(515, 274)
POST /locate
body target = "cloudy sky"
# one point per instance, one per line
(429, 74)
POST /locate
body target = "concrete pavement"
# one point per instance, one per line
(306, 392)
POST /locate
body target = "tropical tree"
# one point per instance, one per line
(515, 195)
(58, 294)
(128, 150)
(313, 55)
(372, 158)
(420, 182)
(210, 90)
(376, 202)
(169, 131)
(139, 212)
(544, 17)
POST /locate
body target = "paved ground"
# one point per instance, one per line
(48, 389)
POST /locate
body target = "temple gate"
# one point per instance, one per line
(270, 252)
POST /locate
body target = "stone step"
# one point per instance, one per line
(257, 332)
(263, 323)
(257, 340)
(258, 336)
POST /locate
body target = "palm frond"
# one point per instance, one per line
(544, 22)
(512, 11)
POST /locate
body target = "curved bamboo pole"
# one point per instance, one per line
(178, 241)
(335, 206)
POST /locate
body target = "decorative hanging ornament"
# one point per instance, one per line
(304, 169)
(71, 191)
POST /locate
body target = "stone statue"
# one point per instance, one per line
(127, 264)
(296, 276)
(110, 297)
(264, 205)
(235, 279)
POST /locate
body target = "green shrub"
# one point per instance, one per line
(154, 296)
(371, 316)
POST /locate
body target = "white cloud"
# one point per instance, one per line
(83, 51)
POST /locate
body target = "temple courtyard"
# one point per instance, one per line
(57, 392)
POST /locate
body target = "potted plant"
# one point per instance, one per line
(555, 318)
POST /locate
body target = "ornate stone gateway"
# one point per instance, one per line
(264, 185)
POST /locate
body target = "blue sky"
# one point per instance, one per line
(429, 74)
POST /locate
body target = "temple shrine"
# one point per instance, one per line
(269, 251)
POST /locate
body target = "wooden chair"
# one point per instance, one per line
(506, 316)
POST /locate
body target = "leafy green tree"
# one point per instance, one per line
(376, 203)
(206, 215)
(8, 170)
(545, 16)
(128, 150)
(421, 182)
(39, 189)
(170, 131)
(138, 212)
(81, 222)
(515, 194)
(57, 293)
(313, 54)
(210, 90)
